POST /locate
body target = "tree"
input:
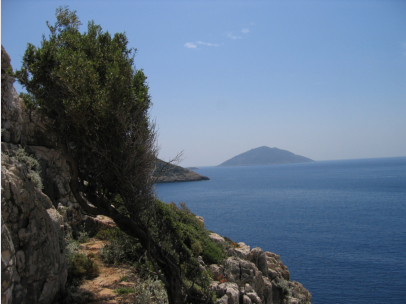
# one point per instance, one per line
(96, 104)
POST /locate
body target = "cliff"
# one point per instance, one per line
(265, 156)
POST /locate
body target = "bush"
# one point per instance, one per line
(124, 290)
(284, 286)
(197, 248)
(121, 248)
(79, 265)
(212, 254)
(83, 237)
(32, 167)
(150, 289)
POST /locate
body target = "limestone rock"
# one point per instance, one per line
(201, 219)
(8, 265)
(36, 233)
(226, 291)
(275, 267)
(244, 272)
(217, 271)
(241, 250)
(217, 238)
(299, 292)
(258, 257)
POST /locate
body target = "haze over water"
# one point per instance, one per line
(339, 226)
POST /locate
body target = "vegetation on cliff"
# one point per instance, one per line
(96, 105)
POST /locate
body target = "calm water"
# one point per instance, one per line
(339, 226)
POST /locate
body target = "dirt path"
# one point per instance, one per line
(104, 288)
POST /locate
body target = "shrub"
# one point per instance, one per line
(212, 254)
(121, 247)
(83, 237)
(197, 248)
(32, 167)
(150, 289)
(124, 290)
(284, 286)
(79, 265)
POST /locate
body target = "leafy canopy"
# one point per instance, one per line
(95, 102)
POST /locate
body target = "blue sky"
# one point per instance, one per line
(322, 79)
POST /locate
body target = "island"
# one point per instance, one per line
(265, 156)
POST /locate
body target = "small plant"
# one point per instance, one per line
(284, 285)
(150, 291)
(197, 248)
(124, 290)
(121, 247)
(212, 254)
(79, 265)
(221, 279)
(83, 237)
(32, 167)
(184, 208)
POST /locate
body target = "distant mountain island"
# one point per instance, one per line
(174, 174)
(265, 156)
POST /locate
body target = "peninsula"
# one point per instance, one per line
(265, 156)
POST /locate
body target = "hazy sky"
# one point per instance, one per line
(322, 79)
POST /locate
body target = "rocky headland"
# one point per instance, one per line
(169, 173)
(39, 211)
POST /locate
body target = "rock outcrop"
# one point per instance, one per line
(254, 276)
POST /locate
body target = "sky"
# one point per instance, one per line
(322, 79)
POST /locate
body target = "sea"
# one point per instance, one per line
(339, 226)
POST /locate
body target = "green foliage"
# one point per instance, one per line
(83, 237)
(124, 290)
(212, 254)
(79, 265)
(120, 248)
(95, 103)
(32, 167)
(197, 248)
(149, 289)
(284, 286)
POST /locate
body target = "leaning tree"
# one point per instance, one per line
(95, 103)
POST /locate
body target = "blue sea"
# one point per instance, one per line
(339, 226)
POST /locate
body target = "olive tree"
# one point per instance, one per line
(95, 103)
